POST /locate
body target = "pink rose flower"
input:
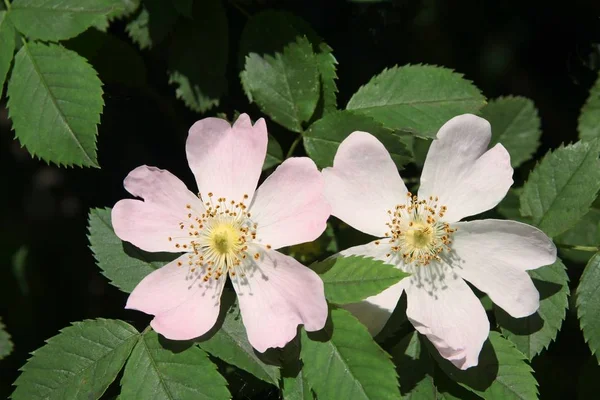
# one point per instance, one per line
(229, 229)
(422, 235)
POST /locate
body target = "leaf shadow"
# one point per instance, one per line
(147, 257)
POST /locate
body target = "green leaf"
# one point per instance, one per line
(502, 372)
(533, 334)
(268, 32)
(286, 86)
(274, 153)
(152, 23)
(516, 125)
(561, 188)
(156, 372)
(509, 206)
(55, 102)
(585, 233)
(184, 7)
(121, 262)
(60, 19)
(78, 363)
(352, 279)
(230, 344)
(200, 84)
(7, 46)
(588, 304)
(296, 388)
(6, 345)
(414, 368)
(322, 139)
(343, 362)
(416, 98)
(589, 119)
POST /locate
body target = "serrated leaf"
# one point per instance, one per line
(230, 344)
(343, 362)
(60, 19)
(200, 84)
(561, 188)
(502, 372)
(509, 206)
(55, 102)
(152, 23)
(353, 279)
(6, 345)
(585, 233)
(534, 333)
(78, 363)
(516, 125)
(286, 86)
(588, 304)
(155, 372)
(414, 368)
(322, 139)
(124, 264)
(7, 46)
(274, 153)
(589, 119)
(416, 98)
(296, 388)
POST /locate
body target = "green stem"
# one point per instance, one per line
(293, 147)
(592, 249)
(7, 4)
(236, 5)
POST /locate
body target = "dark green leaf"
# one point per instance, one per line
(588, 304)
(284, 86)
(509, 206)
(55, 102)
(415, 369)
(274, 153)
(6, 345)
(416, 98)
(121, 262)
(7, 46)
(352, 279)
(296, 388)
(152, 23)
(516, 125)
(323, 138)
(561, 188)
(60, 19)
(156, 372)
(200, 83)
(343, 362)
(585, 233)
(184, 7)
(589, 119)
(78, 363)
(533, 334)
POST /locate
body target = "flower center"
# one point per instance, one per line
(218, 239)
(416, 232)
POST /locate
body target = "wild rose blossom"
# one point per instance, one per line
(228, 229)
(422, 235)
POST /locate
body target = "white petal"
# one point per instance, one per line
(458, 169)
(363, 184)
(276, 295)
(443, 307)
(494, 256)
(375, 311)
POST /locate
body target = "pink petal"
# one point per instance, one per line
(277, 294)
(494, 255)
(375, 311)
(443, 307)
(225, 160)
(148, 224)
(289, 207)
(467, 178)
(184, 307)
(363, 184)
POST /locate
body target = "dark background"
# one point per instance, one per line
(547, 51)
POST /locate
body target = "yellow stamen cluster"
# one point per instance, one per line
(416, 231)
(218, 238)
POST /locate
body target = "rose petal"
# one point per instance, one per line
(494, 255)
(441, 306)
(375, 311)
(184, 307)
(458, 169)
(225, 160)
(276, 295)
(363, 184)
(148, 224)
(289, 207)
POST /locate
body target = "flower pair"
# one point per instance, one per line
(231, 229)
